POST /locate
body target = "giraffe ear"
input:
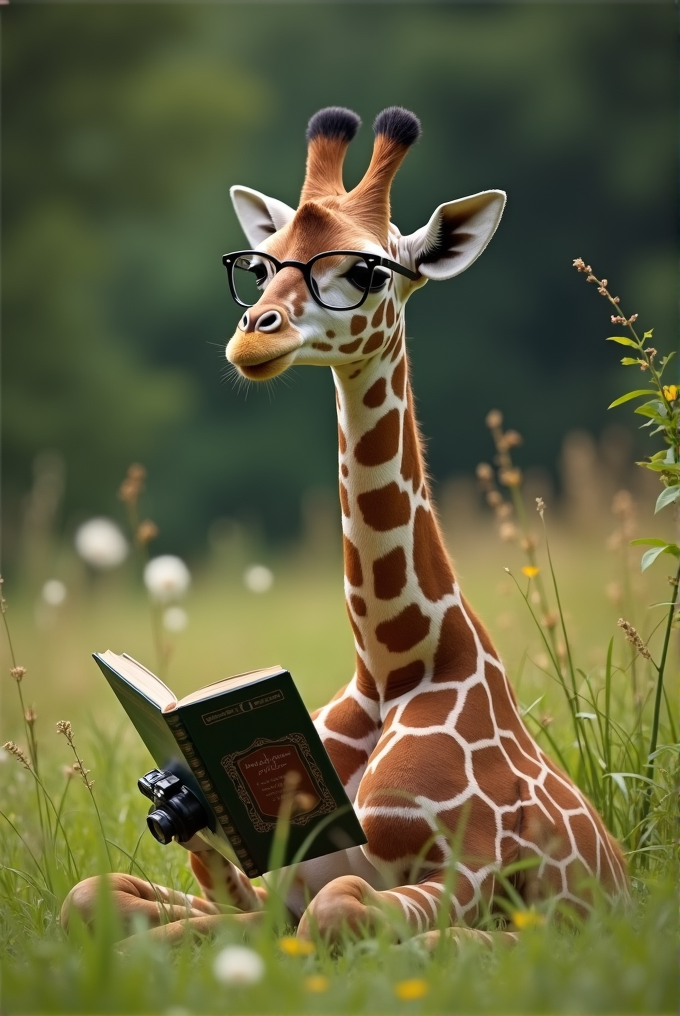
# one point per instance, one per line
(259, 215)
(455, 236)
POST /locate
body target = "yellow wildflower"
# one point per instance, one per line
(293, 946)
(316, 983)
(527, 919)
(409, 990)
(671, 392)
(530, 571)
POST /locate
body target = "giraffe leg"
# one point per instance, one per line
(350, 904)
(133, 897)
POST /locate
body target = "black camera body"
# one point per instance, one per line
(177, 813)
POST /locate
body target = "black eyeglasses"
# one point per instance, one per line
(332, 283)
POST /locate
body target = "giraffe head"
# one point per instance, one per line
(340, 309)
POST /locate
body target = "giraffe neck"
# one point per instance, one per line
(399, 585)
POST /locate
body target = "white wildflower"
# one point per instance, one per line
(167, 578)
(237, 964)
(258, 578)
(175, 619)
(54, 592)
(101, 544)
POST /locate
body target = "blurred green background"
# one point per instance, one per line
(125, 125)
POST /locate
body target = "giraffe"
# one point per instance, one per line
(450, 787)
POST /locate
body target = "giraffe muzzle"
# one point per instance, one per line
(261, 355)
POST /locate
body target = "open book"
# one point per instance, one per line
(243, 746)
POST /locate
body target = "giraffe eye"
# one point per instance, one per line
(359, 275)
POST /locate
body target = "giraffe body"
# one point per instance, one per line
(450, 787)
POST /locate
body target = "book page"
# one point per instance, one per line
(229, 684)
(142, 679)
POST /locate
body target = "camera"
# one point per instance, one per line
(177, 813)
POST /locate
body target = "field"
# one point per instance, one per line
(621, 961)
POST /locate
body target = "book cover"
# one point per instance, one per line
(241, 745)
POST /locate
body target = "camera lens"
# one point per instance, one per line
(161, 826)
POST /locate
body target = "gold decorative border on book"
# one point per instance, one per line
(199, 770)
(262, 823)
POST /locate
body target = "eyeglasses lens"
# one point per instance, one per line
(338, 283)
(250, 276)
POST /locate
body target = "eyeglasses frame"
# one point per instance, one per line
(373, 261)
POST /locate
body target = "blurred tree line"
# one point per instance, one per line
(125, 125)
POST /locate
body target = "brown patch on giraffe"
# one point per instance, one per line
(493, 775)
(550, 833)
(374, 341)
(323, 346)
(352, 560)
(381, 443)
(355, 628)
(366, 682)
(474, 722)
(411, 465)
(376, 394)
(405, 630)
(432, 766)
(201, 871)
(398, 381)
(330, 334)
(347, 717)
(376, 320)
(430, 562)
(527, 766)
(474, 824)
(344, 500)
(350, 347)
(404, 679)
(385, 508)
(358, 605)
(354, 374)
(456, 654)
(585, 836)
(413, 835)
(389, 313)
(429, 707)
(564, 796)
(344, 470)
(346, 759)
(357, 324)
(393, 344)
(342, 440)
(396, 353)
(389, 574)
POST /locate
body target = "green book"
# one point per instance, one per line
(244, 746)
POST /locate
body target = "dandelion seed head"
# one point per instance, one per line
(167, 578)
(258, 578)
(238, 965)
(101, 544)
(175, 619)
(54, 592)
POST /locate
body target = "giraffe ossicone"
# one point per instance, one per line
(449, 785)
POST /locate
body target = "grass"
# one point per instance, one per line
(622, 962)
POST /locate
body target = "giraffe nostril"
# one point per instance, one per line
(244, 321)
(270, 321)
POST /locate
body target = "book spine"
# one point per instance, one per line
(200, 771)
